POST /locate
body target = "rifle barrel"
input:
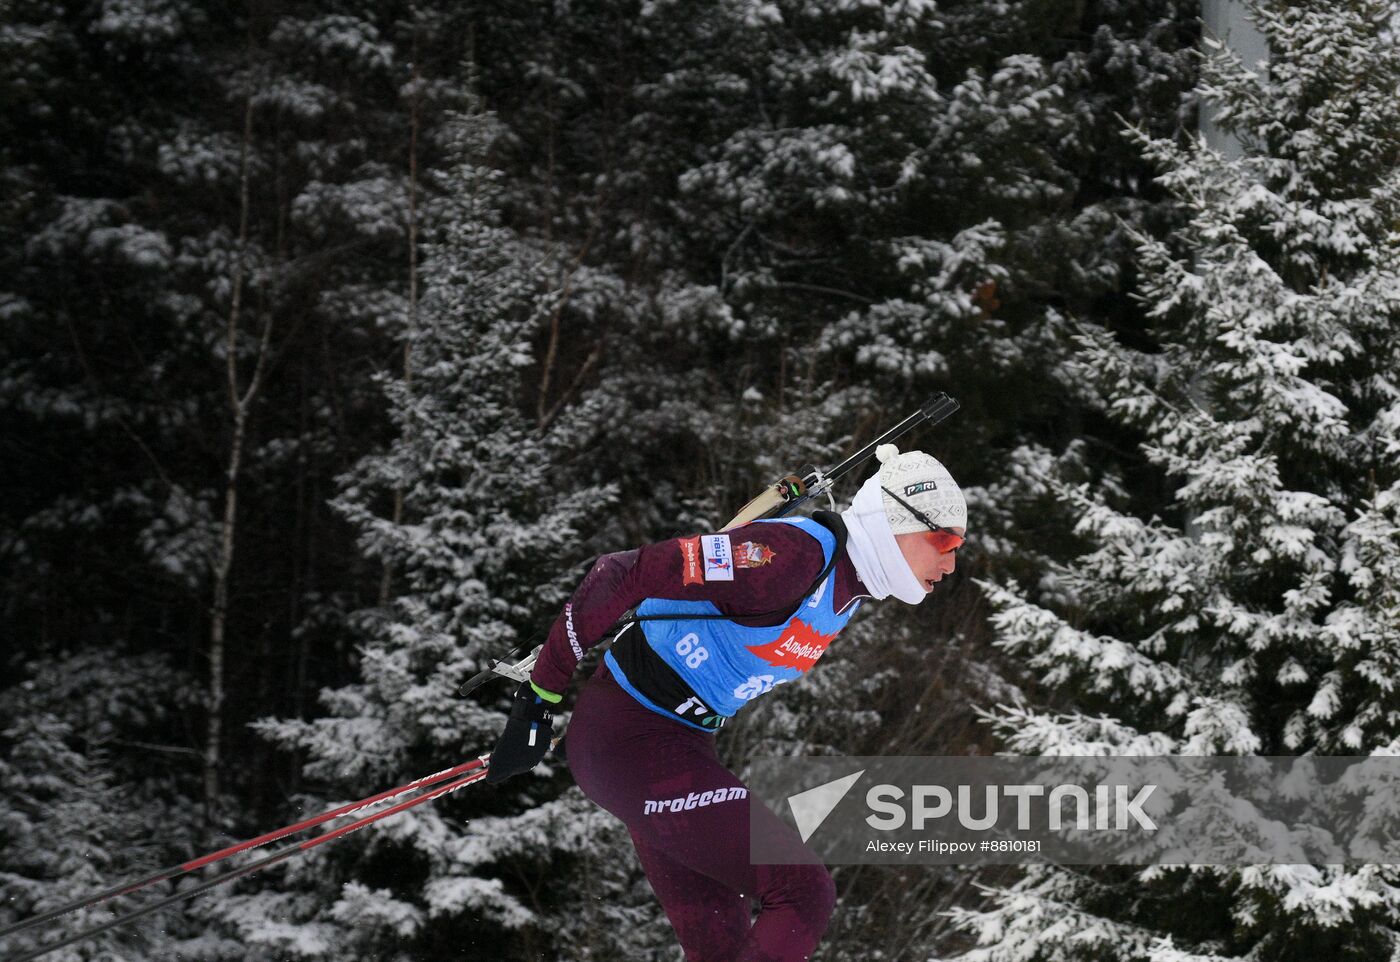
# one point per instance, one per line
(936, 409)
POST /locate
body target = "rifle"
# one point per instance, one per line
(780, 498)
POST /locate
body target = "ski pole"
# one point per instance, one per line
(174, 871)
(283, 853)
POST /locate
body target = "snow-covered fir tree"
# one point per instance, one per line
(85, 796)
(1240, 596)
(487, 546)
(746, 231)
(207, 225)
(871, 202)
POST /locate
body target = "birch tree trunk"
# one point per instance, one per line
(240, 400)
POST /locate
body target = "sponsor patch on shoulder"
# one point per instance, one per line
(719, 557)
(691, 569)
(752, 555)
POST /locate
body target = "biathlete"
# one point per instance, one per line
(723, 619)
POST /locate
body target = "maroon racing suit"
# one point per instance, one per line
(629, 758)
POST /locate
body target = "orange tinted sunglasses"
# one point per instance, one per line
(944, 540)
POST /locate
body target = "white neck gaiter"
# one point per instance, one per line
(873, 550)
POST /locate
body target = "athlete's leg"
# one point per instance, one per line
(795, 901)
(615, 748)
(665, 782)
(710, 918)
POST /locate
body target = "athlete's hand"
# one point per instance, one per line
(526, 737)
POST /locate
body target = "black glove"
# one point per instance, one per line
(526, 737)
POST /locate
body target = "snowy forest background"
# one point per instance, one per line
(339, 337)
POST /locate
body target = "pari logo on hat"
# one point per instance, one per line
(926, 484)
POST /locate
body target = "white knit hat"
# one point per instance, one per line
(926, 484)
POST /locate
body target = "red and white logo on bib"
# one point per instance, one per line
(799, 647)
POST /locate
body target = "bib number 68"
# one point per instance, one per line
(690, 649)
